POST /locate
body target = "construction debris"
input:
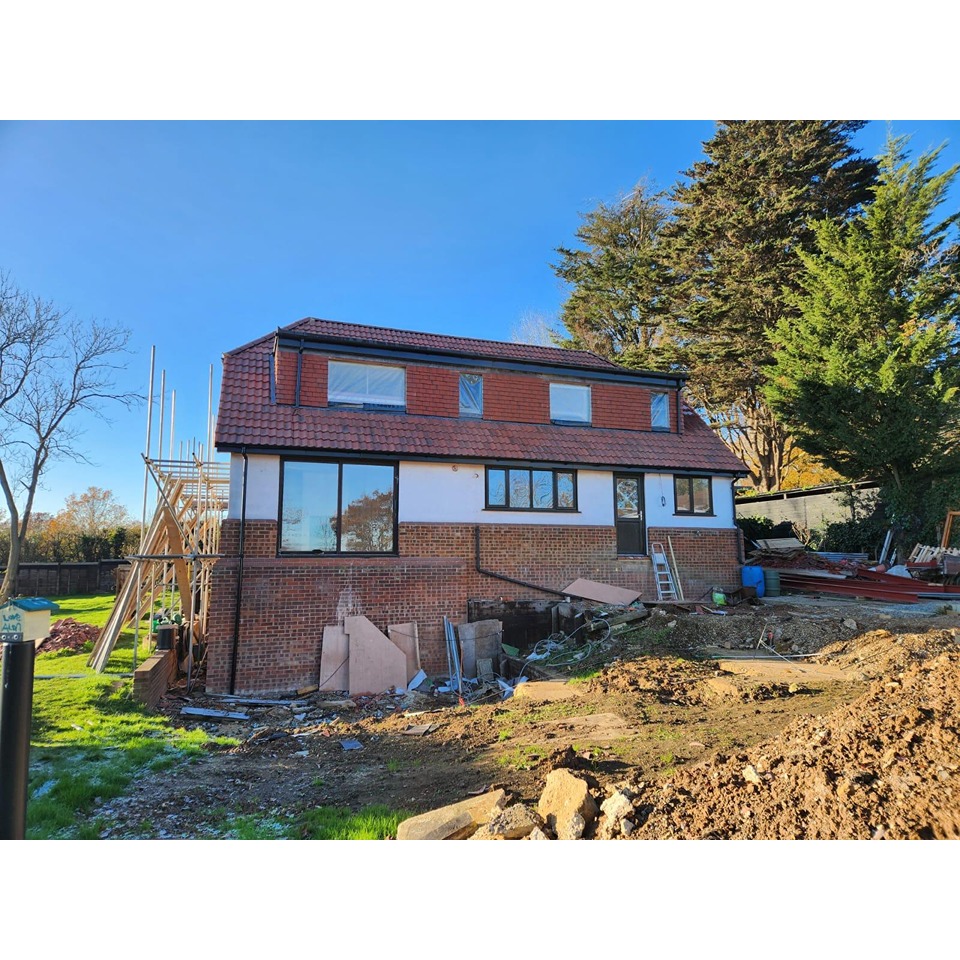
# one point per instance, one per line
(213, 714)
(601, 592)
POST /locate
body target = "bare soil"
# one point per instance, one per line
(717, 726)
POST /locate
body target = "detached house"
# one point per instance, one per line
(396, 475)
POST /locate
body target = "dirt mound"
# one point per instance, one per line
(665, 681)
(885, 766)
(882, 652)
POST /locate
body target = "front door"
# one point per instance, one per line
(628, 514)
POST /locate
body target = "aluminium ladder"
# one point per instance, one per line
(666, 588)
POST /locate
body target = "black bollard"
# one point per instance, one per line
(16, 710)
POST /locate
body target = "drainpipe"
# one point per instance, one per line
(500, 576)
(236, 614)
(741, 559)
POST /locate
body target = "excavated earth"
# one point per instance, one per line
(797, 718)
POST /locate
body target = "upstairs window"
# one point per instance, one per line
(471, 395)
(660, 411)
(693, 495)
(569, 403)
(366, 385)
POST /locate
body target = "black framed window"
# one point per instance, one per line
(660, 411)
(693, 495)
(336, 506)
(531, 488)
(471, 395)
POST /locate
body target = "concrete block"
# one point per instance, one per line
(455, 821)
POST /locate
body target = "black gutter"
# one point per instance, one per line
(501, 576)
(236, 615)
(320, 344)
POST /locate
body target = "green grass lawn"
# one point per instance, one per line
(90, 740)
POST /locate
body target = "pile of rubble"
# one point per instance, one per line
(567, 810)
(68, 634)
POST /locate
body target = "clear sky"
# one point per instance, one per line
(201, 236)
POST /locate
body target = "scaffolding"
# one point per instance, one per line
(169, 577)
(176, 556)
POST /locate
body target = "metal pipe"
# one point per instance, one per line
(143, 511)
(504, 577)
(16, 709)
(236, 616)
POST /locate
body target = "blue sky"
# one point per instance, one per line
(201, 236)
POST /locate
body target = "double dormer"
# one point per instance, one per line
(421, 375)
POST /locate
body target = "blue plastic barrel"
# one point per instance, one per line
(753, 577)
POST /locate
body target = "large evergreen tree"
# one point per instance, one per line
(867, 375)
(731, 247)
(613, 307)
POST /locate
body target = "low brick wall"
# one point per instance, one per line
(286, 602)
(153, 677)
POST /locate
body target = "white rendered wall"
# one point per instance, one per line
(454, 493)
(263, 487)
(658, 492)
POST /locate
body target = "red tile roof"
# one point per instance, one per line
(248, 418)
(366, 336)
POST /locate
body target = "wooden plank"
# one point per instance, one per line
(376, 662)
(407, 637)
(600, 592)
(334, 660)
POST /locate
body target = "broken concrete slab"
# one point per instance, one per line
(456, 821)
(615, 809)
(566, 805)
(601, 592)
(514, 823)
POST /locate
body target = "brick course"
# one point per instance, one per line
(286, 602)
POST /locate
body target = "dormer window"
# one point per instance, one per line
(569, 403)
(366, 385)
(660, 411)
(471, 395)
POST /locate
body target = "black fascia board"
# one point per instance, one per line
(317, 343)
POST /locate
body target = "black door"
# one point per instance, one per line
(628, 514)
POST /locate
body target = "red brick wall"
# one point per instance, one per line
(627, 408)
(433, 391)
(286, 602)
(313, 381)
(285, 375)
(517, 397)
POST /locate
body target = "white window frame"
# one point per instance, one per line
(359, 392)
(570, 403)
(664, 423)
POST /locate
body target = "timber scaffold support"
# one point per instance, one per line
(176, 555)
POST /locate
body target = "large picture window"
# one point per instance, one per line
(366, 385)
(334, 507)
(528, 488)
(693, 495)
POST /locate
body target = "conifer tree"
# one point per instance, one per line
(613, 305)
(867, 374)
(731, 248)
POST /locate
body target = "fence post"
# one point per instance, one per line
(16, 711)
